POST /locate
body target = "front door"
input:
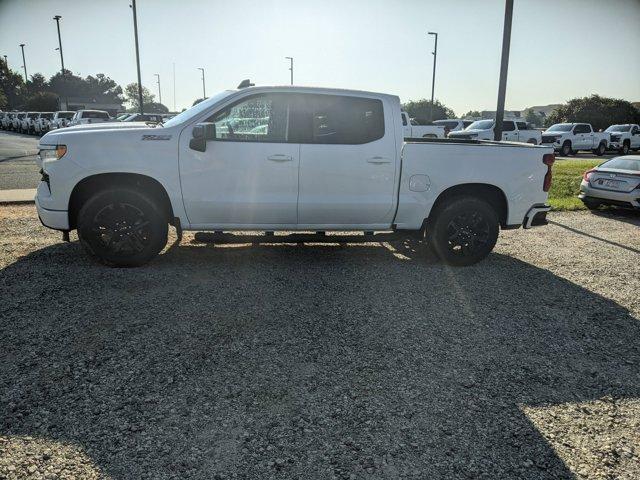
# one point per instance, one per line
(347, 160)
(248, 174)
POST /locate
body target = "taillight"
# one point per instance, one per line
(548, 159)
(587, 175)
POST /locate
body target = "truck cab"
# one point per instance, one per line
(512, 131)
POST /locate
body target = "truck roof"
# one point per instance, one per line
(325, 90)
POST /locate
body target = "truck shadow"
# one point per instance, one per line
(303, 362)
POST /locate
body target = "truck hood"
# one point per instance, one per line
(555, 133)
(467, 132)
(106, 126)
(116, 130)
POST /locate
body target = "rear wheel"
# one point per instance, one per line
(122, 227)
(464, 231)
(565, 151)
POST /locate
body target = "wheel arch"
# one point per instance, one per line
(492, 194)
(88, 186)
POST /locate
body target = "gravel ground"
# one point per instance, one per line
(320, 362)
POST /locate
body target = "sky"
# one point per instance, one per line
(560, 49)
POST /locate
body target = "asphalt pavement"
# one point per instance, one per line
(18, 169)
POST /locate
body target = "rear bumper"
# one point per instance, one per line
(623, 199)
(536, 216)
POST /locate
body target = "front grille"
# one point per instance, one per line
(547, 139)
(615, 138)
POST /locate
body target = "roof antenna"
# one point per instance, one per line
(246, 83)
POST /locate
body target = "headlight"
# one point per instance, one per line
(52, 152)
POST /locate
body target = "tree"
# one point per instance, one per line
(596, 110)
(38, 83)
(131, 95)
(4, 103)
(43, 102)
(100, 86)
(534, 118)
(12, 86)
(472, 114)
(155, 107)
(420, 109)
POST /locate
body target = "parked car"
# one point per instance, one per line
(27, 123)
(17, 121)
(328, 160)
(570, 138)
(512, 131)
(61, 119)
(453, 124)
(83, 117)
(5, 118)
(121, 116)
(614, 182)
(43, 122)
(624, 138)
(411, 129)
(144, 117)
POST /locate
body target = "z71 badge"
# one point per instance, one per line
(156, 137)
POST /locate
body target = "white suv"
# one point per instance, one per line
(83, 117)
(61, 119)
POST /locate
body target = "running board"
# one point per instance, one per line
(214, 237)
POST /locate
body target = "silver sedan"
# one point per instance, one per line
(614, 182)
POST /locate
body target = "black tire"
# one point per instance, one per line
(463, 231)
(565, 150)
(591, 204)
(625, 148)
(601, 150)
(532, 141)
(105, 227)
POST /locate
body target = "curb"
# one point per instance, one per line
(17, 197)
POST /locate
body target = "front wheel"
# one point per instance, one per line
(602, 148)
(122, 227)
(625, 148)
(464, 231)
(565, 151)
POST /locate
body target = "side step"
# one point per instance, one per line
(215, 237)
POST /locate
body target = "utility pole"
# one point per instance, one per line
(204, 92)
(504, 66)
(57, 19)
(24, 63)
(433, 79)
(290, 67)
(159, 91)
(135, 32)
(174, 86)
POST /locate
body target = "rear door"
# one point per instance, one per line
(509, 131)
(347, 160)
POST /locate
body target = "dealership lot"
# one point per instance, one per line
(318, 361)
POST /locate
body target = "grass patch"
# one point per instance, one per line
(567, 175)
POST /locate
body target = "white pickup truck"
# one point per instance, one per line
(286, 159)
(624, 137)
(512, 131)
(570, 138)
(411, 129)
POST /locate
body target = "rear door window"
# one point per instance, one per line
(508, 126)
(521, 125)
(337, 119)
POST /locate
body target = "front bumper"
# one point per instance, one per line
(55, 219)
(536, 216)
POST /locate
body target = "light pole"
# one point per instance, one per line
(204, 92)
(433, 79)
(135, 33)
(159, 91)
(504, 66)
(57, 19)
(290, 67)
(24, 63)
(6, 64)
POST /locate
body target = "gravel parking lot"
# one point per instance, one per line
(317, 362)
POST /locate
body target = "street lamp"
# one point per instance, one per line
(6, 64)
(290, 67)
(135, 33)
(204, 92)
(433, 80)
(57, 19)
(24, 62)
(504, 66)
(159, 91)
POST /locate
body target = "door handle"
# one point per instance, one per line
(378, 160)
(280, 158)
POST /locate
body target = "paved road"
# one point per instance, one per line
(17, 161)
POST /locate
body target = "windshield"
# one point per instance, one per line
(481, 125)
(623, 163)
(560, 127)
(197, 109)
(618, 128)
(46, 115)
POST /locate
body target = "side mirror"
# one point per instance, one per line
(201, 133)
